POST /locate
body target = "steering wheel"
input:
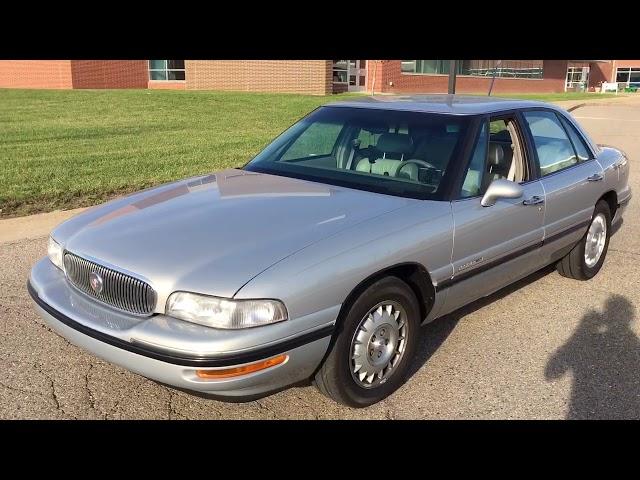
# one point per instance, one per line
(415, 161)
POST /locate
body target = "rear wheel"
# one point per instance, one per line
(587, 257)
(374, 347)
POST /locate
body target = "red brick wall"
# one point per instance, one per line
(600, 72)
(627, 64)
(109, 73)
(387, 71)
(35, 74)
(289, 76)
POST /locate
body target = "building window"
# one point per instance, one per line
(340, 71)
(630, 76)
(476, 68)
(168, 70)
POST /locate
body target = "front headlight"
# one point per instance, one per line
(223, 312)
(54, 250)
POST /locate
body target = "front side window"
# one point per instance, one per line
(554, 149)
(168, 70)
(398, 153)
(497, 155)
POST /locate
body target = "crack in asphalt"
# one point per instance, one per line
(26, 392)
(309, 406)
(54, 395)
(172, 412)
(112, 410)
(91, 397)
(266, 408)
(390, 411)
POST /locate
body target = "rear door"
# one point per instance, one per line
(571, 177)
(495, 245)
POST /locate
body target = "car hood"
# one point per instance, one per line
(213, 234)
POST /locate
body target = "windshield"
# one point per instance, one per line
(393, 152)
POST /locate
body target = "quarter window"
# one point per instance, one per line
(167, 70)
(554, 149)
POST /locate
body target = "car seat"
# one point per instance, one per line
(394, 147)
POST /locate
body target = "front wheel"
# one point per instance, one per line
(374, 347)
(587, 257)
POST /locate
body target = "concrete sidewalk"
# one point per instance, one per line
(33, 226)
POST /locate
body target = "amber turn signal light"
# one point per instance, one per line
(243, 370)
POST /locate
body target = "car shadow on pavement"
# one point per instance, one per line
(603, 358)
(435, 333)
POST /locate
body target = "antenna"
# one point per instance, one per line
(493, 79)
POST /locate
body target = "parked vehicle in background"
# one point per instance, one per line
(320, 259)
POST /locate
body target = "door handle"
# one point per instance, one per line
(535, 200)
(596, 177)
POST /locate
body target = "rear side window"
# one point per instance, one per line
(555, 150)
(577, 140)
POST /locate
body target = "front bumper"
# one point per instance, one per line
(170, 350)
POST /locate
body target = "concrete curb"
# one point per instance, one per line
(571, 109)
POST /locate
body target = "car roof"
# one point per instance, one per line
(450, 104)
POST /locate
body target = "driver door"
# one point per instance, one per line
(495, 245)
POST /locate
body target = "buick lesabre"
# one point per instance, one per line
(320, 259)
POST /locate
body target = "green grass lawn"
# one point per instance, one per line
(64, 149)
(71, 148)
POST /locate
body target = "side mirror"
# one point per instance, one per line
(501, 188)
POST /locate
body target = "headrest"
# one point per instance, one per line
(395, 142)
(496, 154)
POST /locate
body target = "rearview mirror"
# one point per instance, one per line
(501, 188)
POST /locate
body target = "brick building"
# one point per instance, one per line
(320, 77)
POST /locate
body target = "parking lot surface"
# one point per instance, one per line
(548, 347)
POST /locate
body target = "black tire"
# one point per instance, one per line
(335, 379)
(574, 265)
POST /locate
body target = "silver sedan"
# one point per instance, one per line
(320, 258)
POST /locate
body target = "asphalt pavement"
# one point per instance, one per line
(545, 348)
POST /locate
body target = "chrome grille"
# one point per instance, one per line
(118, 289)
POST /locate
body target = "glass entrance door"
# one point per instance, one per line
(357, 75)
(577, 79)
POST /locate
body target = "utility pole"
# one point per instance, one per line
(453, 70)
(493, 78)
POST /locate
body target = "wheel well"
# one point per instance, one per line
(612, 199)
(414, 274)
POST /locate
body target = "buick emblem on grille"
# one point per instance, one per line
(95, 280)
